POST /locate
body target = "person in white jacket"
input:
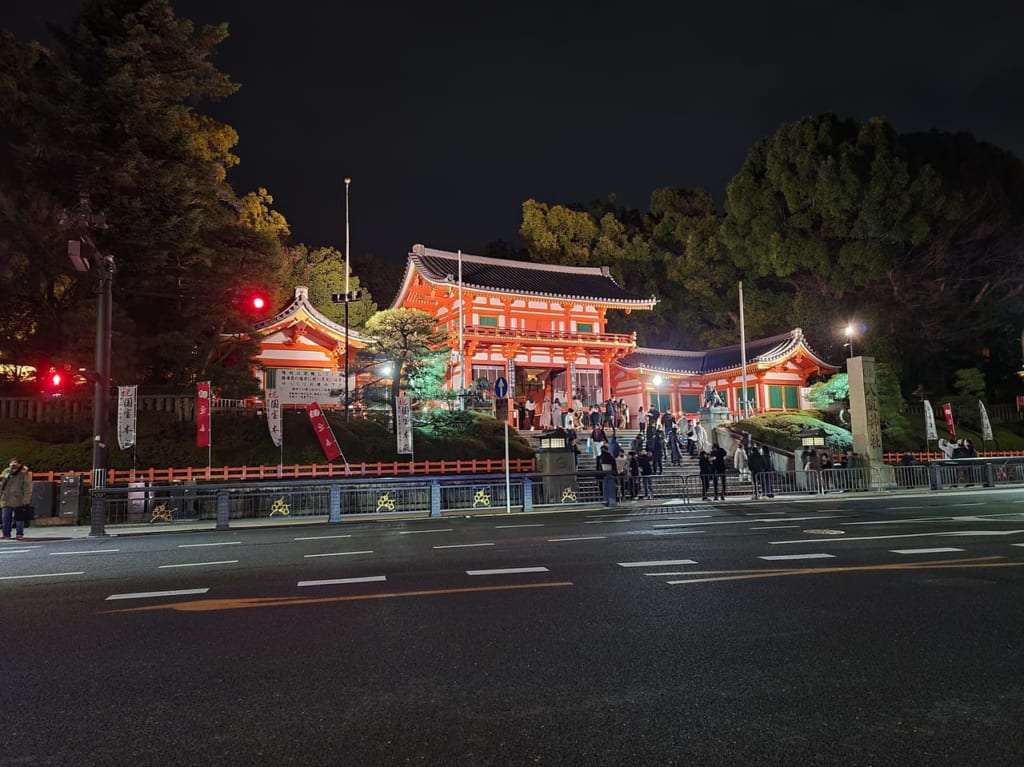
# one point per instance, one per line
(739, 461)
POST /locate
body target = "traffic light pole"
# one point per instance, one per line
(101, 394)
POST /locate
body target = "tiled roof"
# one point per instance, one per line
(299, 304)
(581, 283)
(759, 352)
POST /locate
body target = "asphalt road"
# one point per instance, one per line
(874, 631)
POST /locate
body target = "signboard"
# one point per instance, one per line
(500, 387)
(127, 407)
(297, 386)
(403, 426)
(274, 416)
(203, 402)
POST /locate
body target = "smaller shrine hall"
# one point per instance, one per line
(544, 328)
(302, 355)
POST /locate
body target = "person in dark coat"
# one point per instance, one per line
(718, 463)
(756, 466)
(646, 471)
(705, 474)
(658, 453)
(766, 471)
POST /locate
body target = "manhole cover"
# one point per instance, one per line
(824, 531)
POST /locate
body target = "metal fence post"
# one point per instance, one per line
(435, 498)
(990, 475)
(527, 494)
(223, 510)
(334, 504)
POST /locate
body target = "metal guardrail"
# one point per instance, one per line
(345, 498)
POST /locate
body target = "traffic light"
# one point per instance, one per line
(252, 302)
(54, 383)
(257, 302)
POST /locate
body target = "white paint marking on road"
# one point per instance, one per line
(905, 535)
(463, 545)
(797, 556)
(774, 527)
(40, 575)
(972, 503)
(320, 537)
(674, 532)
(335, 554)
(337, 581)
(157, 594)
(199, 545)
(201, 564)
(72, 553)
(634, 518)
(581, 538)
(1017, 544)
(414, 532)
(658, 563)
(924, 551)
(509, 527)
(15, 551)
(509, 571)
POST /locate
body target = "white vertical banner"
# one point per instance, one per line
(274, 416)
(127, 410)
(403, 425)
(929, 422)
(986, 426)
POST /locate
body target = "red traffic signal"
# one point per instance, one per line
(54, 380)
(257, 302)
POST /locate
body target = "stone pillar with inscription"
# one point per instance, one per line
(865, 422)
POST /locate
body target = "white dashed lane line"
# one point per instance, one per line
(463, 545)
(202, 545)
(776, 557)
(416, 532)
(73, 553)
(509, 527)
(509, 571)
(338, 581)
(157, 594)
(200, 564)
(774, 527)
(38, 575)
(320, 537)
(335, 554)
(923, 551)
(658, 563)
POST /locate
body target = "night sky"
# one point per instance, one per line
(448, 119)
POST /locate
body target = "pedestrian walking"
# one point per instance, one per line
(634, 475)
(15, 498)
(766, 472)
(646, 472)
(531, 411)
(556, 413)
(756, 466)
(606, 468)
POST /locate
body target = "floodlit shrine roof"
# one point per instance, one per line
(519, 278)
(763, 352)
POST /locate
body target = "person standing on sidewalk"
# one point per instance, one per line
(766, 472)
(15, 497)
(756, 464)
(646, 472)
(606, 468)
(705, 474)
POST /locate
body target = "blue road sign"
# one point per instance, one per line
(500, 387)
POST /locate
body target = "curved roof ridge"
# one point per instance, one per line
(301, 301)
(421, 250)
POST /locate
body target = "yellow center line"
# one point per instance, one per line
(208, 605)
(740, 575)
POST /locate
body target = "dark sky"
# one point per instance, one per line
(447, 119)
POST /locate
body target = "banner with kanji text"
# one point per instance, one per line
(274, 416)
(929, 422)
(323, 431)
(127, 409)
(947, 410)
(203, 403)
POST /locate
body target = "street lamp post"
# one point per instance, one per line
(81, 220)
(849, 337)
(348, 296)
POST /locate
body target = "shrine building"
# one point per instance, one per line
(543, 327)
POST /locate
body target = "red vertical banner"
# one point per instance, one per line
(323, 431)
(947, 410)
(203, 414)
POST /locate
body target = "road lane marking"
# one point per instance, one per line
(39, 575)
(337, 581)
(581, 538)
(157, 594)
(210, 605)
(72, 553)
(509, 527)
(972, 503)
(416, 532)
(673, 532)
(774, 527)
(948, 534)
(462, 545)
(201, 564)
(776, 557)
(199, 545)
(1017, 544)
(320, 537)
(509, 571)
(335, 554)
(941, 564)
(657, 563)
(923, 551)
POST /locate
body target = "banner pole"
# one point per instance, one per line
(508, 483)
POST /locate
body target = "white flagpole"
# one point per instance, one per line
(745, 408)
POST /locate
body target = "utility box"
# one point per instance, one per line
(44, 498)
(556, 462)
(70, 496)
